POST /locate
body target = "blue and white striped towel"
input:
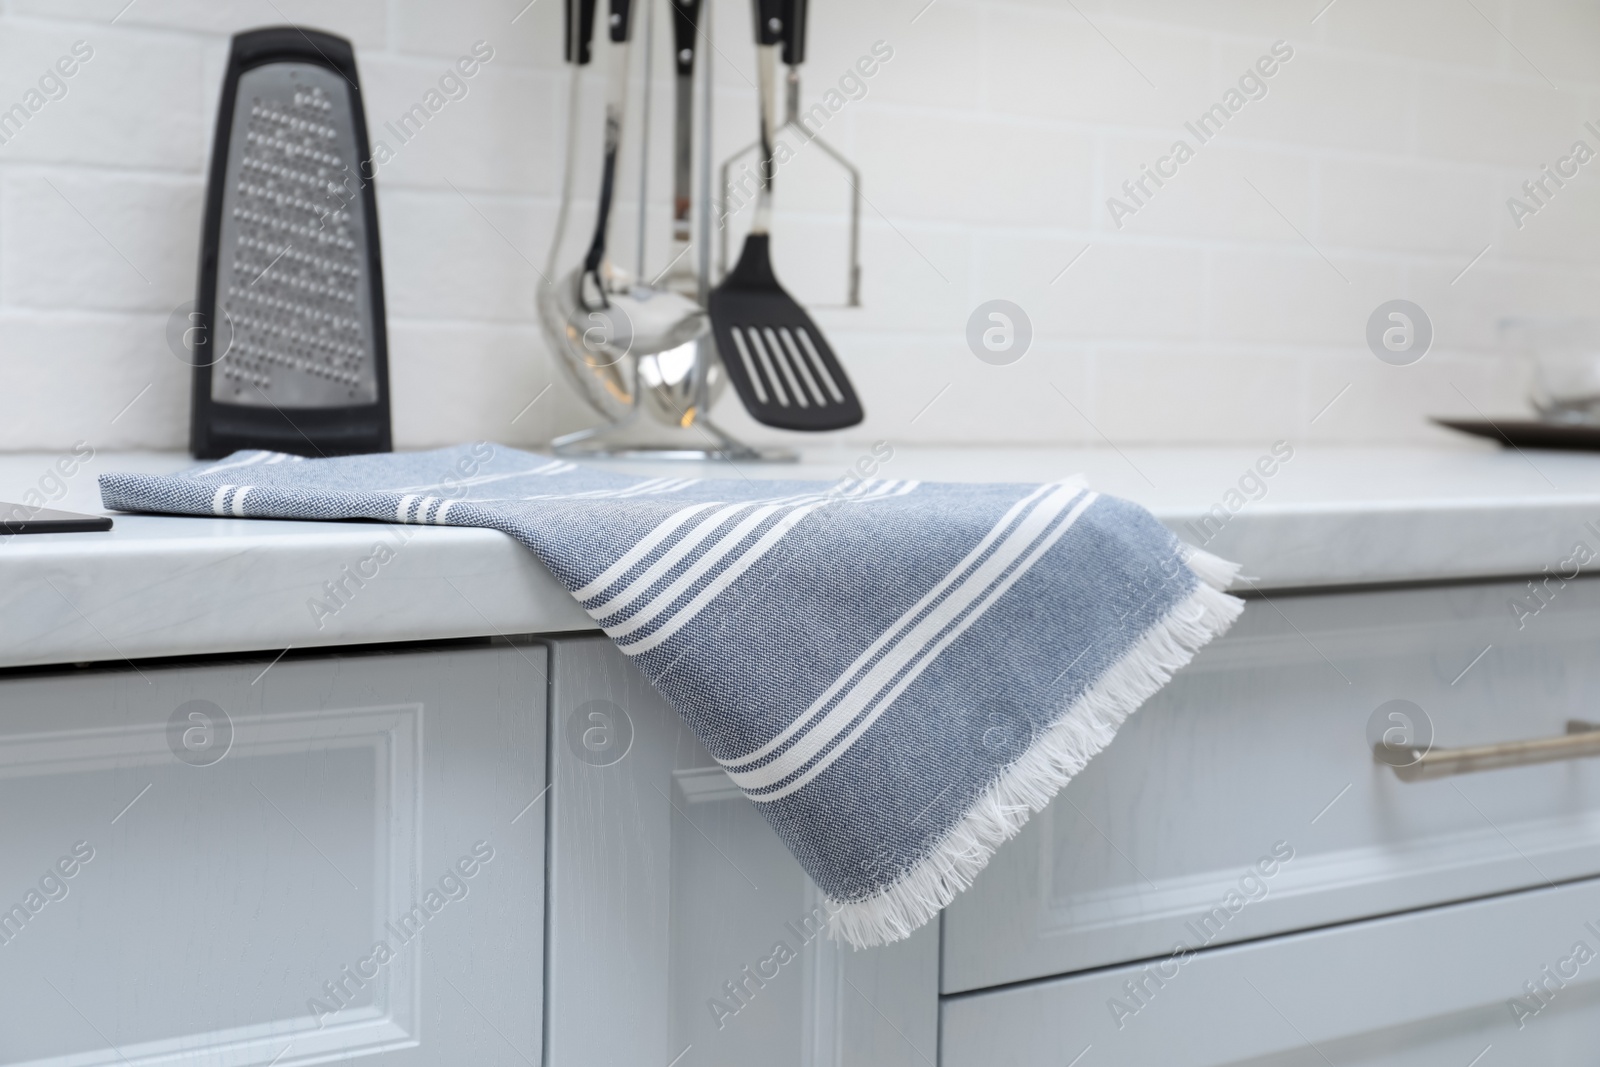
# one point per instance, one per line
(897, 673)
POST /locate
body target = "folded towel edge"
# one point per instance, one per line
(1054, 759)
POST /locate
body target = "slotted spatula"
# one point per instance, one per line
(776, 357)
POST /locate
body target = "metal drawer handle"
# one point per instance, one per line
(1581, 739)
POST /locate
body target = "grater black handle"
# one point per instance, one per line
(769, 21)
(580, 30)
(794, 32)
(685, 28)
(620, 10)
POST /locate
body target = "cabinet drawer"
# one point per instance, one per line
(198, 863)
(1439, 986)
(1261, 746)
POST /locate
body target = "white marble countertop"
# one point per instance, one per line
(163, 586)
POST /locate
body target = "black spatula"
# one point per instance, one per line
(778, 360)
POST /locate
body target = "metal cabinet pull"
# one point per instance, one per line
(1581, 739)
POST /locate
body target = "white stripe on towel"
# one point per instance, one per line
(724, 546)
(641, 550)
(640, 586)
(637, 588)
(677, 620)
(896, 630)
(979, 605)
(859, 695)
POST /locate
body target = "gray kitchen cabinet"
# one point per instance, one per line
(1431, 987)
(1262, 744)
(199, 861)
(681, 930)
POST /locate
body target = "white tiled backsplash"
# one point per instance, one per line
(1230, 304)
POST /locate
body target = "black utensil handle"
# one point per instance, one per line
(769, 21)
(617, 95)
(579, 30)
(608, 179)
(794, 32)
(620, 10)
(685, 29)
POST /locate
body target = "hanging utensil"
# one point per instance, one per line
(680, 275)
(599, 385)
(600, 321)
(781, 365)
(794, 54)
(614, 316)
(680, 384)
(597, 273)
(578, 36)
(634, 352)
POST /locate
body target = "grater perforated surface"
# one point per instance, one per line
(293, 284)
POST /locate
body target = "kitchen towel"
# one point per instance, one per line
(897, 673)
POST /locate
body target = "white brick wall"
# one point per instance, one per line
(1383, 154)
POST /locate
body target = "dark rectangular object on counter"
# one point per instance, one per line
(1530, 433)
(22, 519)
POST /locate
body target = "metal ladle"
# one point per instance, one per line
(604, 317)
(639, 355)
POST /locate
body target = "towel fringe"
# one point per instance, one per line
(1215, 571)
(1054, 759)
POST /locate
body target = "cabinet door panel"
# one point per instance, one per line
(679, 923)
(243, 837)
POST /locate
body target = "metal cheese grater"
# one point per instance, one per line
(291, 289)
